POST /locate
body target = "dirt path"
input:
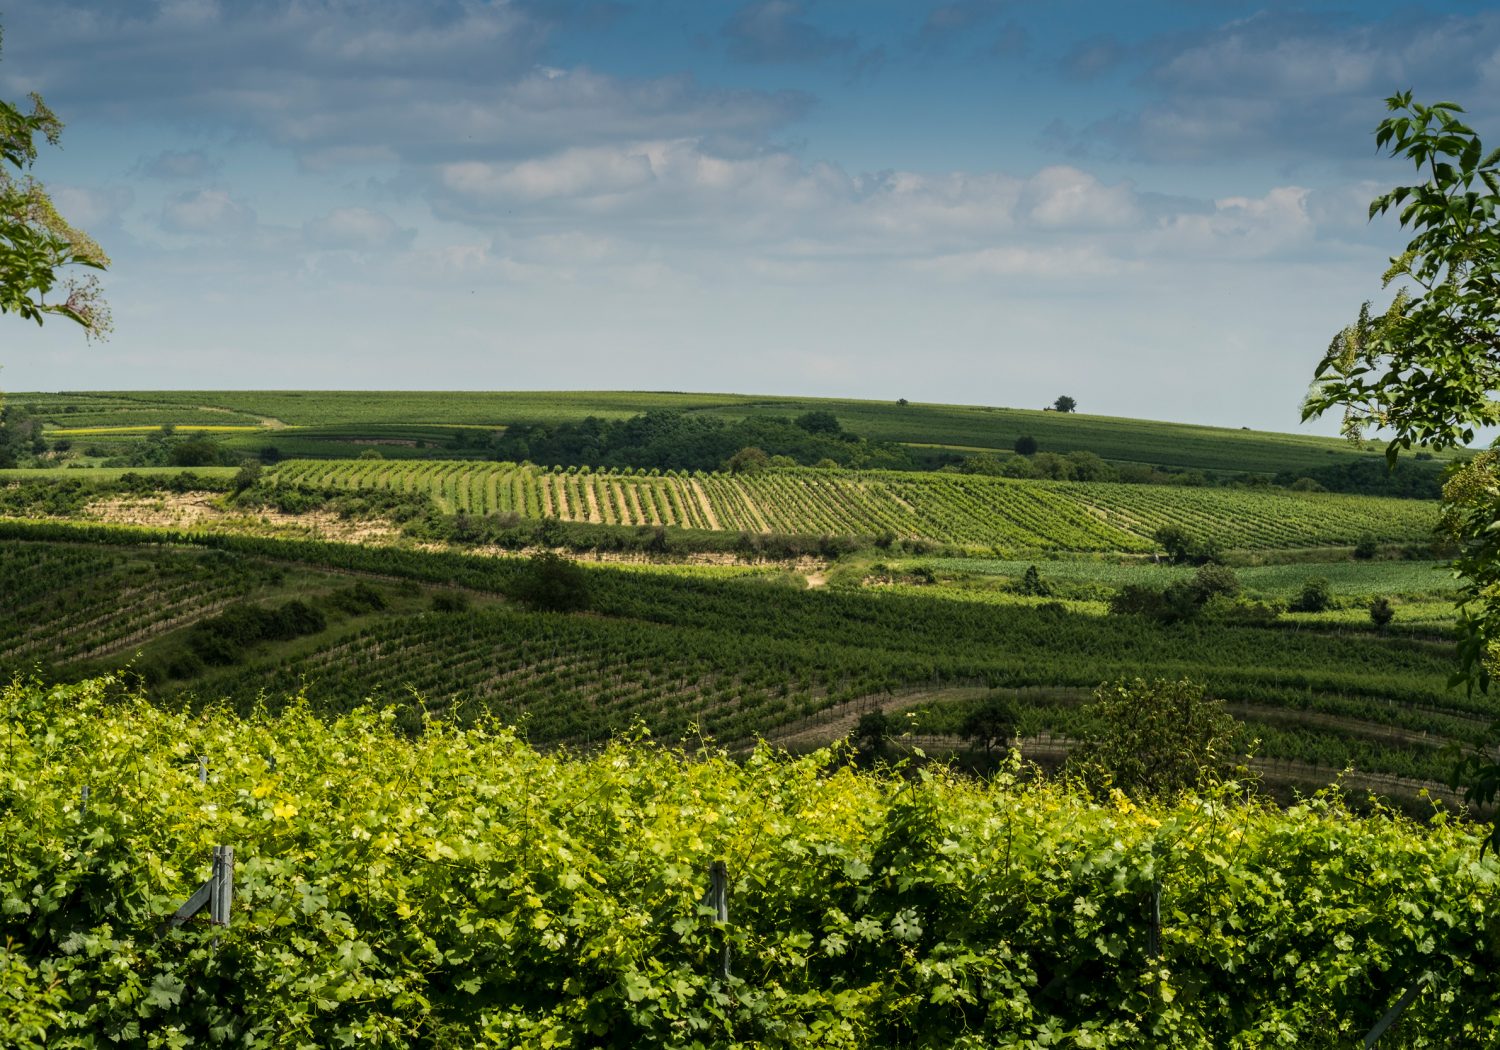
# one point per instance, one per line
(586, 485)
(631, 501)
(838, 722)
(704, 505)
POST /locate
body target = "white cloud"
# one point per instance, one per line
(210, 212)
(89, 208)
(355, 228)
(1238, 227)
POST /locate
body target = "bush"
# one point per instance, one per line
(359, 599)
(1153, 739)
(1215, 581)
(1381, 612)
(1314, 597)
(1173, 604)
(549, 583)
(1025, 445)
(450, 602)
(1033, 584)
(1366, 548)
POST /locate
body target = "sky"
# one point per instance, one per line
(1156, 208)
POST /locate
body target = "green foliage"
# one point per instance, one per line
(450, 602)
(463, 889)
(35, 241)
(1033, 584)
(1425, 368)
(223, 639)
(872, 735)
(990, 724)
(1153, 739)
(1025, 445)
(550, 583)
(747, 460)
(359, 599)
(673, 440)
(1315, 596)
(1381, 612)
(1215, 581)
(1064, 404)
(1367, 547)
(248, 475)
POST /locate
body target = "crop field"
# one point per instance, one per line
(971, 512)
(960, 427)
(1345, 578)
(725, 651)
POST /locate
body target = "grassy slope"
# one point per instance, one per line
(961, 426)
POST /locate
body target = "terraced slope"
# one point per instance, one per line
(972, 512)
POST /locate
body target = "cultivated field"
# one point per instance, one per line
(978, 513)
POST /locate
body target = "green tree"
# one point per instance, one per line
(1381, 612)
(1033, 584)
(1314, 597)
(1025, 445)
(990, 725)
(35, 241)
(1153, 739)
(1064, 404)
(748, 460)
(550, 583)
(873, 733)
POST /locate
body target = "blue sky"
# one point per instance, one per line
(1156, 208)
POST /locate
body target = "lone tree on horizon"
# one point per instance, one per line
(1064, 404)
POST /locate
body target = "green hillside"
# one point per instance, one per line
(965, 428)
(964, 511)
(736, 652)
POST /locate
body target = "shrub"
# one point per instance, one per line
(549, 583)
(1213, 580)
(1153, 739)
(1025, 445)
(1033, 584)
(1314, 597)
(1381, 612)
(1366, 548)
(450, 602)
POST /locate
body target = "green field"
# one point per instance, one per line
(971, 512)
(1345, 578)
(963, 427)
(734, 653)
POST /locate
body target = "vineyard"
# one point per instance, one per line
(733, 653)
(970, 512)
(460, 888)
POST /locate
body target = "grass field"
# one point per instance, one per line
(960, 427)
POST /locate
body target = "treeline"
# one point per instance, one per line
(669, 440)
(1409, 479)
